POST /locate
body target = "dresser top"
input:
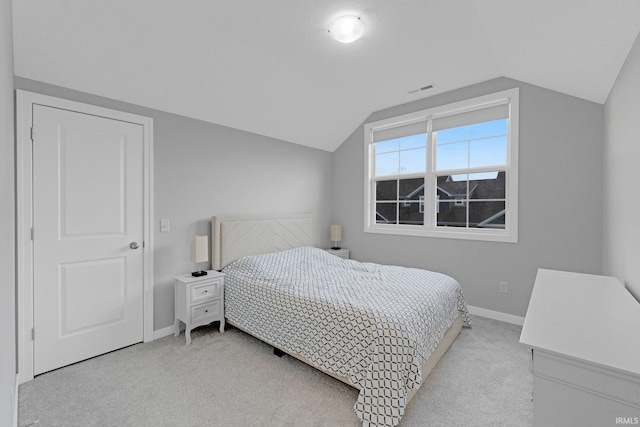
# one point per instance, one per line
(587, 317)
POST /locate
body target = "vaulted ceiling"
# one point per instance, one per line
(271, 68)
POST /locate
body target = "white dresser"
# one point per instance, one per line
(584, 332)
(198, 301)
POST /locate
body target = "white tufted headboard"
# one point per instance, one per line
(235, 237)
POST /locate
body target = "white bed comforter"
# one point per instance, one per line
(373, 324)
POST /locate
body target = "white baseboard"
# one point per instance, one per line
(164, 332)
(477, 311)
(15, 401)
(496, 315)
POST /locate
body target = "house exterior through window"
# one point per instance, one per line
(448, 171)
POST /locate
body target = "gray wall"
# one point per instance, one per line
(622, 166)
(202, 169)
(7, 228)
(560, 193)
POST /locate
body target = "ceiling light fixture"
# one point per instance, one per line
(347, 29)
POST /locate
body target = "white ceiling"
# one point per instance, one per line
(270, 67)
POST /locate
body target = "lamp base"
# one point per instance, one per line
(336, 248)
(199, 273)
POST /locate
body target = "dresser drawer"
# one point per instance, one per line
(206, 291)
(202, 312)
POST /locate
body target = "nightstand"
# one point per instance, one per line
(199, 301)
(342, 253)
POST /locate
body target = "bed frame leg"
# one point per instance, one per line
(278, 352)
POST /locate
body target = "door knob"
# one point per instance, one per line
(134, 245)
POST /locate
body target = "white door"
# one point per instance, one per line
(88, 230)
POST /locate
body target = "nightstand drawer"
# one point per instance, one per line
(201, 312)
(206, 291)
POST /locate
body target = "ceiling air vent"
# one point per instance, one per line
(420, 89)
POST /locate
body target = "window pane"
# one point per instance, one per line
(452, 156)
(410, 214)
(386, 213)
(486, 214)
(488, 152)
(411, 189)
(387, 146)
(413, 141)
(483, 175)
(487, 185)
(452, 135)
(487, 129)
(413, 161)
(387, 164)
(458, 177)
(387, 190)
(451, 215)
(452, 187)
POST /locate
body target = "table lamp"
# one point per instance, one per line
(199, 253)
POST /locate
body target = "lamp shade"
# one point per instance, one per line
(336, 233)
(200, 249)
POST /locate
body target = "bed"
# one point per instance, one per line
(380, 329)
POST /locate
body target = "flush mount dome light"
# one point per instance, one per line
(347, 29)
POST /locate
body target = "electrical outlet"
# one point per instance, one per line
(504, 287)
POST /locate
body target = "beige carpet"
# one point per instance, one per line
(232, 379)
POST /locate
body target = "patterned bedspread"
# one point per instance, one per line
(373, 324)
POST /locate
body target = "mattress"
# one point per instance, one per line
(373, 324)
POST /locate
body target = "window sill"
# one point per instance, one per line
(448, 233)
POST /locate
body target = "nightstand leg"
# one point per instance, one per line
(187, 335)
(176, 328)
(222, 326)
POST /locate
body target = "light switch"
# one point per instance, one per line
(165, 226)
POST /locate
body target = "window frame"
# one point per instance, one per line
(429, 228)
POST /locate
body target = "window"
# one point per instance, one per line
(449, 171)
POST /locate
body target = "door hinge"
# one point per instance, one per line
(32, 233)
(32, 133)
(33, 334)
